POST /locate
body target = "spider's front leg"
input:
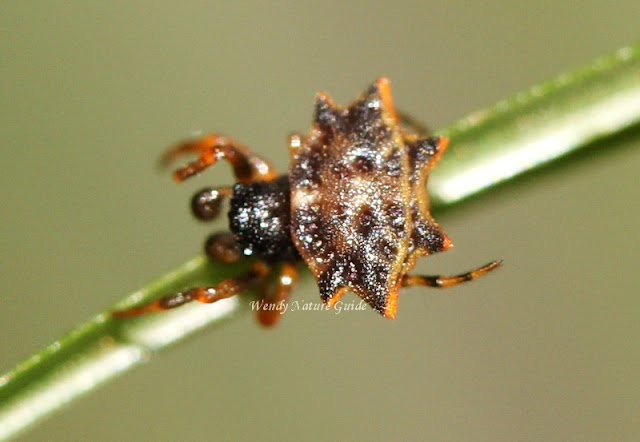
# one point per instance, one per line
(247, 166)
(226, 289)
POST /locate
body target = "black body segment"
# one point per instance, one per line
(260, 218)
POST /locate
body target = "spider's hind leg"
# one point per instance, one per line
(448, 281)
(411, 123)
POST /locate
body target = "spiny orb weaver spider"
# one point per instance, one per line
(353, 207)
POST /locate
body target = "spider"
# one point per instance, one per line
(353, 208)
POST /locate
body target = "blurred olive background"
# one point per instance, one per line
(547, 348)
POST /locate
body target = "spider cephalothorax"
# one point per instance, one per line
(353, 207)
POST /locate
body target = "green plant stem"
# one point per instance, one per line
(516, 135)
(537, 126)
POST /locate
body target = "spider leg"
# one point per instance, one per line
(448, 281)
(226, 289)
(247, 166)
(270, 311)
(413, 124)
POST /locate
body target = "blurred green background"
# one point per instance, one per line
(547, 348)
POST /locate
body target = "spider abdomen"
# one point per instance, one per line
(360, 212)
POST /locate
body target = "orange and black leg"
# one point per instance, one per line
(448, 281)
(274, 298)
(226, 289)
(213, 147)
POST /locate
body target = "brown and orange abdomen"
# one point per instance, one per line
(351, 200)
